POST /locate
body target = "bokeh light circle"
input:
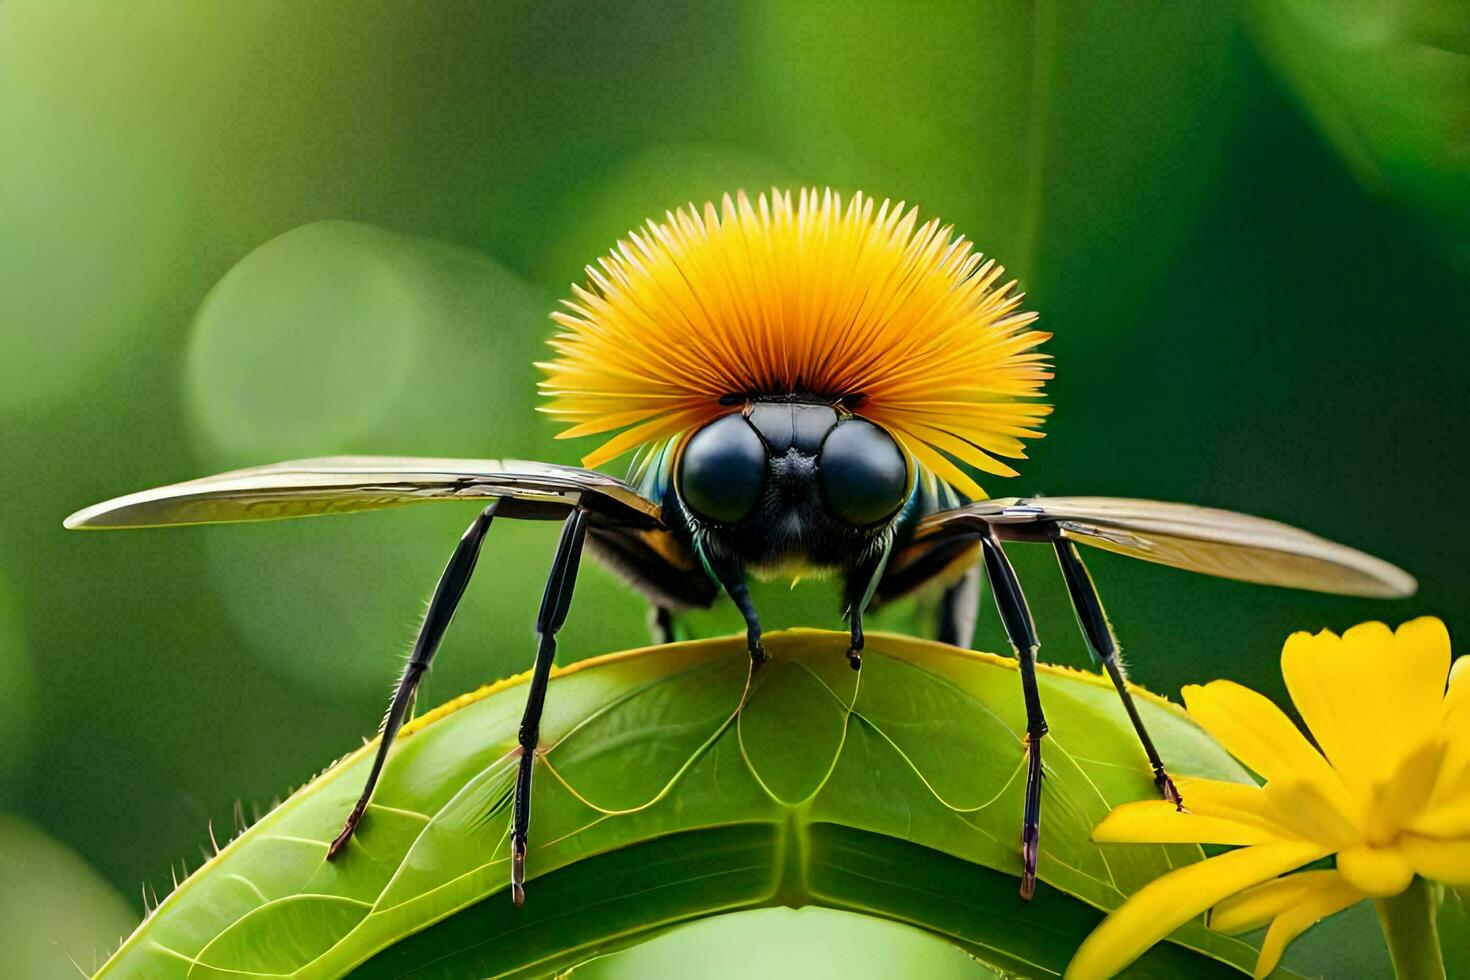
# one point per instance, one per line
(341, 338)
(305, 343)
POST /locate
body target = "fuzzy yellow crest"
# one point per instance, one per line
(902, 324)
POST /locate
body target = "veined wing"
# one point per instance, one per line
(1199, 539)
(344, 484)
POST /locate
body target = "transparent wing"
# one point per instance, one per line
(344, 484)
(1199, 539)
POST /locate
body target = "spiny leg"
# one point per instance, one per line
(447, 593)
(555, 602)
(1098, 633)
(1015, 615)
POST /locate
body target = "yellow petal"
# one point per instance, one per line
(1299, 918)
(1256, 732)
(1376, 871)
(1160, 822)
(1455, 731)
(1396, 803)
(1257, 906)
(1444, 861)
(1457, 696)
(1166, 903)
(1448, 812)
(1448, 818)
(1307, 814)
(1370, 697)
(1242, 802)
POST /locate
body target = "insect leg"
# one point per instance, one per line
(1010, 601)
(1098, 633)
(856, 642)
(661, 624)
(732, 578)
(555, 602)
(862, 583)
(958, 610)
(447, 593)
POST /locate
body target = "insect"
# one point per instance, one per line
(807, 385)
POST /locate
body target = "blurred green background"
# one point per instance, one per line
(236, 233)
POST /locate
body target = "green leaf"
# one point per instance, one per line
(659, 799)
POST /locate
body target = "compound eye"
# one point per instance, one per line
(864, 475)
(722, 470)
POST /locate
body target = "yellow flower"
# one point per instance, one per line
(903, 324)
(1388, 794)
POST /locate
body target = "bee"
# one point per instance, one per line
(807, 385)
